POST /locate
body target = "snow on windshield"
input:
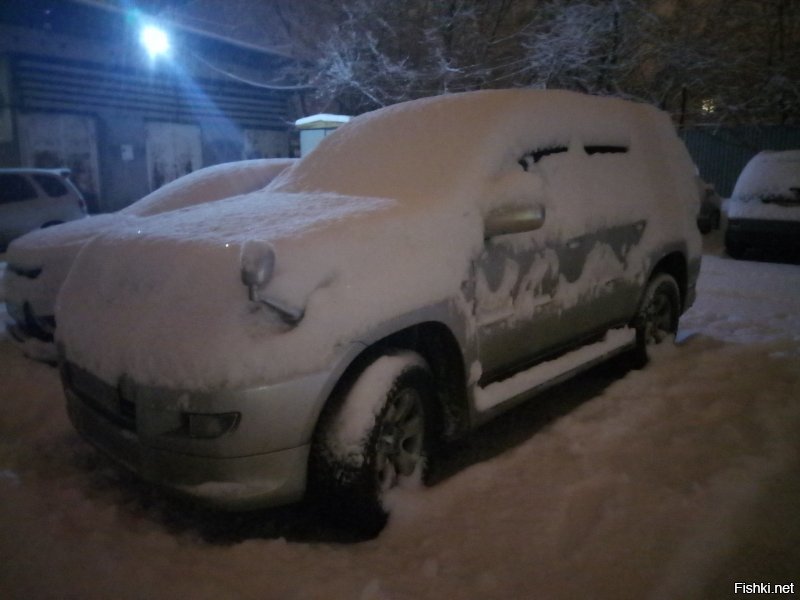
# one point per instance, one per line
(769, 174)
(209, 184)
(768, 188)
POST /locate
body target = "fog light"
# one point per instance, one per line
(209, 426)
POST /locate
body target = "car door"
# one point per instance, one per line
(544, 290)
(520, 303)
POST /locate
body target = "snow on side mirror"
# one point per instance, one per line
(258, 264)
(513, 219)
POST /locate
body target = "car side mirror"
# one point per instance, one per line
(257, 265)
(513, 219)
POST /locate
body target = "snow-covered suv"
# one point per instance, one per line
(429, 265)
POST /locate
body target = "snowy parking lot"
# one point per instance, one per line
(676, 481)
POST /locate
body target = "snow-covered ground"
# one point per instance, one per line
(676, 481)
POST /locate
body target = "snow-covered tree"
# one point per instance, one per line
(382, 51)
(718, 61)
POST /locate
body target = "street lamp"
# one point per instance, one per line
(155, 40)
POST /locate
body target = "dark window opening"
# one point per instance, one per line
(15, 188)
(52, 186)
(533, 157)
(605, 149)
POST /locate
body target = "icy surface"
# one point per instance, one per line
(672, 482)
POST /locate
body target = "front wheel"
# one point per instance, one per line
(656, 321)
(374, 436)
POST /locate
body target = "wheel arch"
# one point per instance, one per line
(675, 264)
(439, 346)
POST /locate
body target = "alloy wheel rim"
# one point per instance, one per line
(659, 319)
(400, 442)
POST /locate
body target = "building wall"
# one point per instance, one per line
(114, 90)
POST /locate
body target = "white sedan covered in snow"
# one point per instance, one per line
(38, 263)
(764, 210)
(426, 267)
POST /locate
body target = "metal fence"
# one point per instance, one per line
(721, 153)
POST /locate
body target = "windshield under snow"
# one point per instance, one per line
(772, 177)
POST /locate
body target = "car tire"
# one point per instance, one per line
(656, 320)
(374, 434)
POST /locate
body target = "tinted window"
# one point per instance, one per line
(15, 188)
(601, 149)
(52, 185)
(535, 156)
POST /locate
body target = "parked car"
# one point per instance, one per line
(764, 209)
(39, 262)
(35, 198)
(426, 267)
(710, 209)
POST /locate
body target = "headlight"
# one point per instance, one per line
(210, 426)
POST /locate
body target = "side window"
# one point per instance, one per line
(51, 185)
(15, 188)
(605, 149)
(534, 156)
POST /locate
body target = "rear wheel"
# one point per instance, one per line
(657, 319)
(374, 436)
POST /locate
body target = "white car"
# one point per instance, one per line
(764, 209)
(426, 267)
(39, 262)
(34, 198)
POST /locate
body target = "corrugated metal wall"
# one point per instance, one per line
(721, 153)
(71, 86)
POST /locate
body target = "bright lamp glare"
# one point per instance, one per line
(155, 40)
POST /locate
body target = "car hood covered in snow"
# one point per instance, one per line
(162, 300)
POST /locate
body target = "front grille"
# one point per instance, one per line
(101, 397)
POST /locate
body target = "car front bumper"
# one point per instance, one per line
(763, 233)
(260, 461)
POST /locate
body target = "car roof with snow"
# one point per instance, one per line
(447, 144)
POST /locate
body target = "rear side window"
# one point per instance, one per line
(535, 156)
(51, 185)
(605, 149)
(15, 188)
